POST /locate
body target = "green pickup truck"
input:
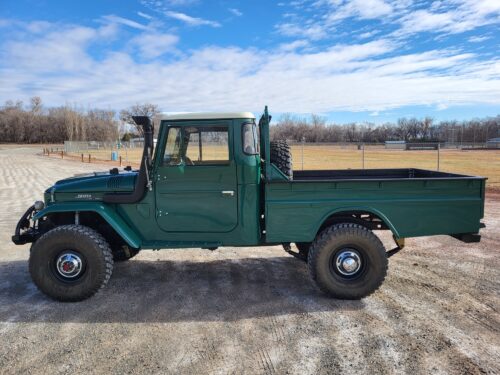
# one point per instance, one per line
(216, 179)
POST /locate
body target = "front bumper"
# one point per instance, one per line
(24, 232)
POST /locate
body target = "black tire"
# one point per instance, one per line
(281, 156)
(347, 243)
(70, 263)
(123, 253)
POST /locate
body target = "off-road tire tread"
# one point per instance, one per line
(350, 229)
(101, 243)
(281, 156)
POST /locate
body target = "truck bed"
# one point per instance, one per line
(411, 202)
(374, 174)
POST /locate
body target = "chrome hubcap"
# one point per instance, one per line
(69, 265)
(348, 262)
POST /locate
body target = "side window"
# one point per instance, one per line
(206, 145)
(172, 155)
(250, 139)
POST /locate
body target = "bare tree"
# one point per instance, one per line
(146, 109)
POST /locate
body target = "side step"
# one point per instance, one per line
(400, 245)
(288, 248)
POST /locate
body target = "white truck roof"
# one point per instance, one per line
(204, 115)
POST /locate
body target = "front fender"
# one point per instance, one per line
(105, 211)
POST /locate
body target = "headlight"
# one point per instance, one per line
(39, 205)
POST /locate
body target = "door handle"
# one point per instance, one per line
(228, 193)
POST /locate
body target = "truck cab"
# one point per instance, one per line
(206, 176)
(216, 179)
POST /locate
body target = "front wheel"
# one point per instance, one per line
(347, 261)
(70, 263)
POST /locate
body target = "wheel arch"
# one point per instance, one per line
(366, 216)
(108, 215)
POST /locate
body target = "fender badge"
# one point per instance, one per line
(83, 196)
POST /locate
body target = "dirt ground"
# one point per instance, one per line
(247, 311)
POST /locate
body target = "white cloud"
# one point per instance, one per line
(38, 26)
(235, 11)
(478, 38)
(192, 21)
(451, 17)
(144, 15)
(124, 21)
(364, 9)
(372, 76)
(315, 32)
(296, 44)
(407, 17)
(155, 44)
(368, 34)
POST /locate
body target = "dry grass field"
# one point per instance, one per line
(471, 162)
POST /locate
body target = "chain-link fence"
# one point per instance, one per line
(467, 158)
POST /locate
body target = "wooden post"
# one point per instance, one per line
(89, 158)
(303, 141)
(62, 154)
(439, 156)
(82, 158)
(120, 160)
(363, 155)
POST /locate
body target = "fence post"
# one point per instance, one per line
(439, 156)
(303, 140)
(120, 160)
(363, 154)
(62, 154)
(89, 158)
(82, 158)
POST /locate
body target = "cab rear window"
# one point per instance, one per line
(250, 139)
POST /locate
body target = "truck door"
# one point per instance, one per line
(196, 185)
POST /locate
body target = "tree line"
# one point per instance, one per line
(33, 123)
(317, 129)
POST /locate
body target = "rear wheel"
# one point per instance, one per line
(70, 263)
(347, 261)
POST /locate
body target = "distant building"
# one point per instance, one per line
(395, 145)
(493, 143)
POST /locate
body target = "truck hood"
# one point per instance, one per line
(90, 186)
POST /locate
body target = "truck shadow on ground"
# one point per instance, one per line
(175, 291)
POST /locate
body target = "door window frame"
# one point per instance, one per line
(165, 127)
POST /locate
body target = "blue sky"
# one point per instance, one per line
(347, 60)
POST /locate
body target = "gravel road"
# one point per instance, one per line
(247, 311)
